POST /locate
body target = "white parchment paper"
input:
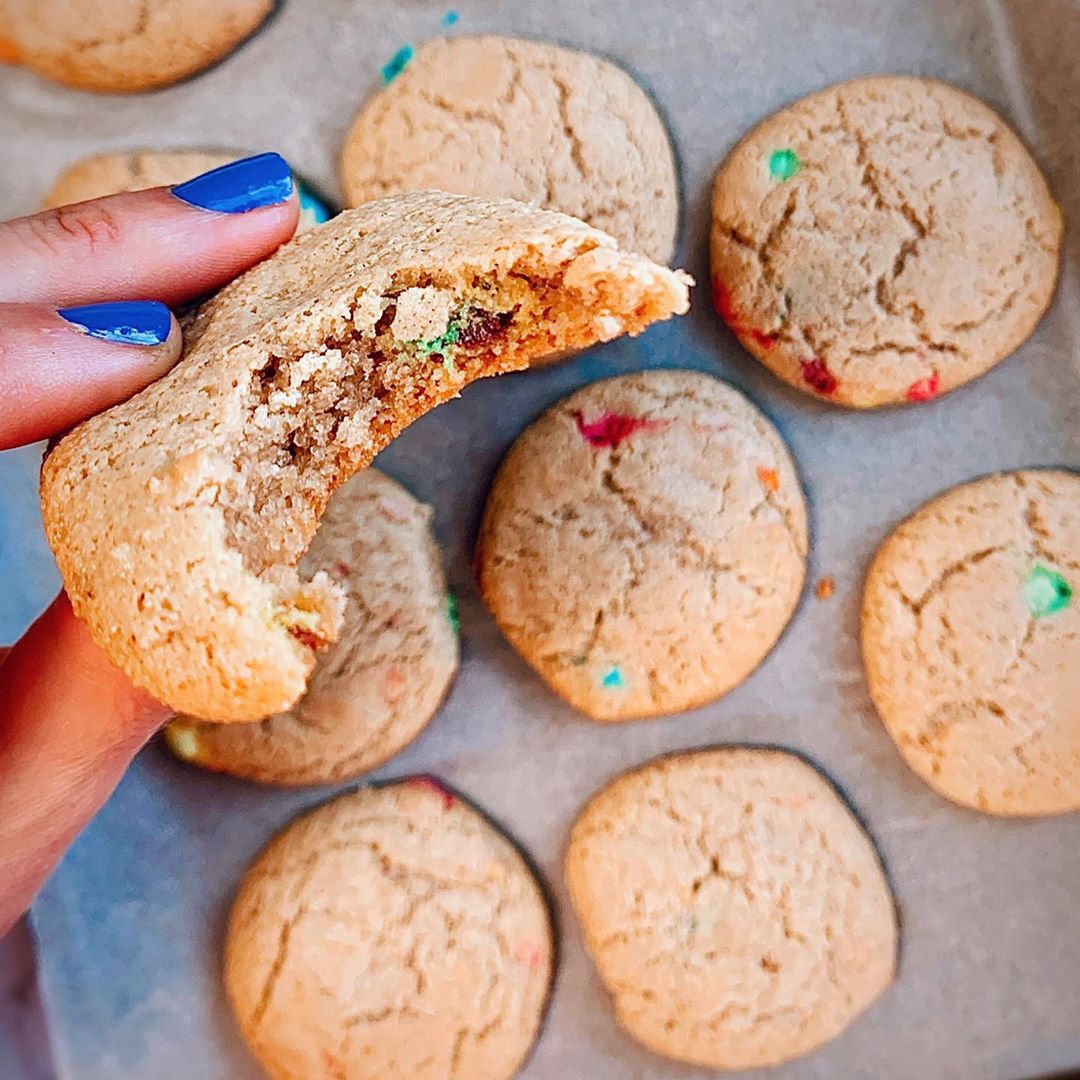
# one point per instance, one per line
(130, 926)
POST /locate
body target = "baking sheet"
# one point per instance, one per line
(130, 926)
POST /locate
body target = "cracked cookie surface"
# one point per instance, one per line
(971, 640)
(499, 116)
(376, 688)
(882, 241)
(644, 543)
(392, 932)
(736, 911)
(119, 46)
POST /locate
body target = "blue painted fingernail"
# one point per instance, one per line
(263, 180)
(129, 322)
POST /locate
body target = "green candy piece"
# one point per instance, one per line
(784, 164)
(1046, 592)
(452, 616)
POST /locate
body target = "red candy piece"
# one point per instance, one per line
(425, 780)
(924, 389)
(725, 307)
(613, 428)
(816, 374)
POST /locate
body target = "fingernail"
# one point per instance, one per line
(263, 180)
(129, 322)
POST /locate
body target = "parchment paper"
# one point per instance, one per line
(989, 985)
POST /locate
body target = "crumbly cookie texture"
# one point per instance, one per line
(178, 517)
(110, 174)
(498, 116)
(882, 241)
(971, 639)
(375, 689)
(644, 543)
(736, 911)
(458, 985)
(125, 46)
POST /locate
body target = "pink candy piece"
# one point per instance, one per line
(924, 389)
(425, 780)
(816, 374)
(611, 429)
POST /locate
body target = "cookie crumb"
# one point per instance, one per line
(1046, 592)
(784, 164)
(825, 587)
(397, 64)
(770, 478)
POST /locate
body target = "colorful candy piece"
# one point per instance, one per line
(452, 615)
(1046, 592)
(528, 953)
(769, 478)
(784, 164)
(397, 63)
(816, 374)
(450, 18)
(426, 780)
(613, 679)
(725, 308)
(825, 588)
(611, 429)
(924, 389)
(313, 211)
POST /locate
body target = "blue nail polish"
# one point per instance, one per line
(263, 180)
(129, 322)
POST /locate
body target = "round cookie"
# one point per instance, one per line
(882, 241)
(736, 911)
(393, 932)
(971, 640)
(375, 689)
(644, 543)
(123, 46)
(499, 116)
(109, 174)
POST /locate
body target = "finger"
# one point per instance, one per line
(59, 367)
(168, 244)
(70, 723)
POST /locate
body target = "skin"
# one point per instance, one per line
(70, 723)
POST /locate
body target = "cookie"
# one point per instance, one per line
(178, 517)
(971, 640)
(498, 116)
(882, 241)
(736, 911)
(375, 689)
(644, 544)
(393, 932)
(123, 46)
(109, 174)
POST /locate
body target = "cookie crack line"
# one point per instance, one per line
(957, 567)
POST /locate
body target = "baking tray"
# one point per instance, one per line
(989, 986)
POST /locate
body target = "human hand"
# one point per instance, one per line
(74, 342)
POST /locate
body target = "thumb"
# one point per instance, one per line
(70, 723)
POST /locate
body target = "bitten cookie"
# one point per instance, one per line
(109, 174)
(391, 933)
(736, 911)
(882, 241)
(644, 543)
(178, 517)
(121, 46)
(971, 639)
(375, 689)
(498, 116)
